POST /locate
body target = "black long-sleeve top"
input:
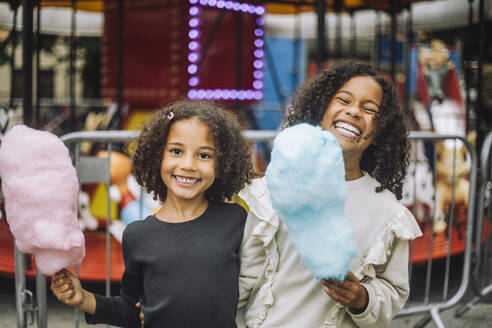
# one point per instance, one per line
(184, 274)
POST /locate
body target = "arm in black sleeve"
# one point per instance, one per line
(121, 310)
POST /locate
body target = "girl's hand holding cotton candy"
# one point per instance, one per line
(41, 189)
(306, 180)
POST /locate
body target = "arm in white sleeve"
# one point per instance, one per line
(388, 291)
(252, 261)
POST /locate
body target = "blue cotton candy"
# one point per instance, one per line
(306, 181)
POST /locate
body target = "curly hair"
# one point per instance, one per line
(234, 162)
(386, 159)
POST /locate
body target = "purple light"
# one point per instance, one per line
(212, 3)
(216, 94)
(257, 84)
(251, 9)
(258, 95)
(200, 94)
(249, 94)
(193, 82)
(241, 95)
(260, 10)
(209, 94)
(229, 5)
(192, 69)
(258, 63)
(193, 34)
(234, 94)
(258, 32)
(236, 6)
(259, 43)
(193, 45)
(193, 1)
(192, 94)
(193, 57)
(220, 4)
(244, 7)
(259, 53)
(258, 74)
(260, 22)
(203, 2)
(194, 22)
(194, 11)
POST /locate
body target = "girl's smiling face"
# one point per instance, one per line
(189, 161)
(350, 115)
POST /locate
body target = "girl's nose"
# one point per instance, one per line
(188, 162)
(353, 111)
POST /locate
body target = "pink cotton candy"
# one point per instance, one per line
(41, 189)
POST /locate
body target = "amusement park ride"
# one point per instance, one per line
(149, 59)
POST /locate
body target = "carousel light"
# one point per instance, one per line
(244, 7)
(192, 69)
(193, 57)
(257, 84)
(193, 45)
(194, 11)
(194, 22)
(259, 43)
(193, 82)
(192, 94)
(194, 34)
(258, 74)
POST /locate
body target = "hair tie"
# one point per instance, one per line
(170, 116)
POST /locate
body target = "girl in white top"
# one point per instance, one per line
(276, 288)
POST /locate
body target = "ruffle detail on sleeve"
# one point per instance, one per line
(256, 196)
(402, 226)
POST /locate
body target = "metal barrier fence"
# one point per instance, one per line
(481, 282)
(94, 169)
(426, 306)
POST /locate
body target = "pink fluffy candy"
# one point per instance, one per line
(40, 187)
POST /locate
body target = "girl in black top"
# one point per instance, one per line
(182, 263)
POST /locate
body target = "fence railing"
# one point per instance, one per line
(481, 282)
(448, 299)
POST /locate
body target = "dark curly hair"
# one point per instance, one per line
(234, 162)
(386, 159)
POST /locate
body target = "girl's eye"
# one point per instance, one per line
(175, 151)
(371, 110)
(343, 100)
(204, 156)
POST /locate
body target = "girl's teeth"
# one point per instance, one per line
(347, 128)
(186, 180)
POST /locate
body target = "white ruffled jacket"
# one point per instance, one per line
(278, 290)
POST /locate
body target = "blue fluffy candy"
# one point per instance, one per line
(306, 181)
